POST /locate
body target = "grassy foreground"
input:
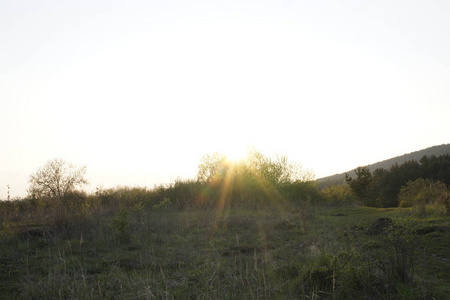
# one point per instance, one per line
(294, 252)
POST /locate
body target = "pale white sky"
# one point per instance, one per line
(139, 91)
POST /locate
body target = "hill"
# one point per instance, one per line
(386, 164)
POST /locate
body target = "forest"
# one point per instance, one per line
(381, 188)
(259, 228)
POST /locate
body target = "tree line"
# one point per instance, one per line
(382, 187)
(256, 180)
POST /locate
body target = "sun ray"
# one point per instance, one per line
(224, 205)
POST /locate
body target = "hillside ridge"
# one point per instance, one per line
(386, 164)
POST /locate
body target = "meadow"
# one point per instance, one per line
(120, 245)
(258, 229)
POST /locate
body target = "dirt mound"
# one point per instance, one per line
(379, 226)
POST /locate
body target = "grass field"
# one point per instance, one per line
(291, 252)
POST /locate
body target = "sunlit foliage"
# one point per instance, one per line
(256, 165)
(255, 179)
(422, 192)
(338, 194)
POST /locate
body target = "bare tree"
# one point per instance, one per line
(56, 179)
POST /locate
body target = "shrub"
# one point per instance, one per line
(399, 245)
(121, 225)
(422, 192)
(338, 195)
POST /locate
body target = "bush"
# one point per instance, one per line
(422, 192)
(399, 245)
(121, 225)
(337, 195)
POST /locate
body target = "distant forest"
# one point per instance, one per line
(388, 163)
(381, 187)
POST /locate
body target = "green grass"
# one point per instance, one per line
(290, 253)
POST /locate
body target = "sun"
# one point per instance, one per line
(236, 153)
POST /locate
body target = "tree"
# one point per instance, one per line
(256, 165)
(277, 170)
(254, 178)
(211, 167)
(361, 185)
(56, 179)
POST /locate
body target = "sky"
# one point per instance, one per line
(139, 91)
